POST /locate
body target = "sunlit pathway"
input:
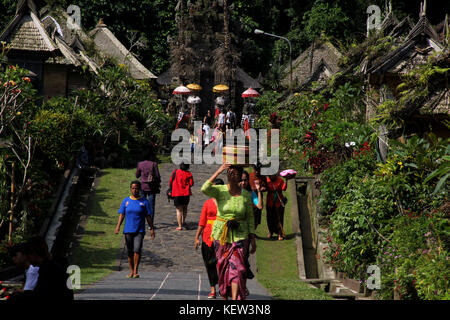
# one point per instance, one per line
(170, 269)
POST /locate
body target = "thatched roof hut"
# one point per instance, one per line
(25, 32)
(110, 46)
(317, 63)
(420, 46)
(421, 42)
(41, 41)
(42, 50)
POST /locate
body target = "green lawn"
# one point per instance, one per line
(100, 247)
(277, 263)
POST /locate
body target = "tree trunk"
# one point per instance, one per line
(11, 216)
(181, 35)
(227, 45)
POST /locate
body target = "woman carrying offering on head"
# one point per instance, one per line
(233, 231)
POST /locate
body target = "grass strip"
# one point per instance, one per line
(277, 263)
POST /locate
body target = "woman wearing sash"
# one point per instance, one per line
(233, 231)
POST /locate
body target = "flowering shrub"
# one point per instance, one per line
(415, 262)
(366, 206)
(389, 217)
(392, 214)
(335, 180)
(16, 143)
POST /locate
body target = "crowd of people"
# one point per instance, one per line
(225, 234)
(215, 127)
(226, 229)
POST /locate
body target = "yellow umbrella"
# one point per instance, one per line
(220, 88)
(194, 86)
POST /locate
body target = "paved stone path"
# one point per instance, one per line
(170, 268)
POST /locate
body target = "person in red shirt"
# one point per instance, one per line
(181, 191)
(207, 218)
(275, 205)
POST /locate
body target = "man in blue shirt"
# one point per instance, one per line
(135, 210)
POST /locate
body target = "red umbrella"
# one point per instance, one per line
(250, 93)
(181, 90)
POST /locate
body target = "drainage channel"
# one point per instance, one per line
(76, 210)
(313, 270)
(309, 249)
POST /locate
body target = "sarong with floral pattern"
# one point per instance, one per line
(231, 267)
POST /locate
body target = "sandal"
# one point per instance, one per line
(129, 275)
(136, 276)
(179, 228)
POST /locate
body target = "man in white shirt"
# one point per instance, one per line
(207, 134)
(230, 119)
(31, 272)
(221, 120)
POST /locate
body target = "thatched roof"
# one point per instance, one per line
(71, 42)
(439, 103)
(389, 22)
(404, 26)
(420, 43)
(25, 32)
(247, 81)
(165, 78)
(46, 31)
(319, 61)
(108, 44)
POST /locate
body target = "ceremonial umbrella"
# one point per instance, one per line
(220, 101)
(194, 87)
(220, 88)
(181, 90)
(250, 93)
(194, 100)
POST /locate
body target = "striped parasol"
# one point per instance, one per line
(250, 93)
(181, 90)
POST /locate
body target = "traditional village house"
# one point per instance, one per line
(386, 73)
(316, 64)
(38, 44)
(62, 59)
(109, 46)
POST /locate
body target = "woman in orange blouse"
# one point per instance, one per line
(207, 218)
